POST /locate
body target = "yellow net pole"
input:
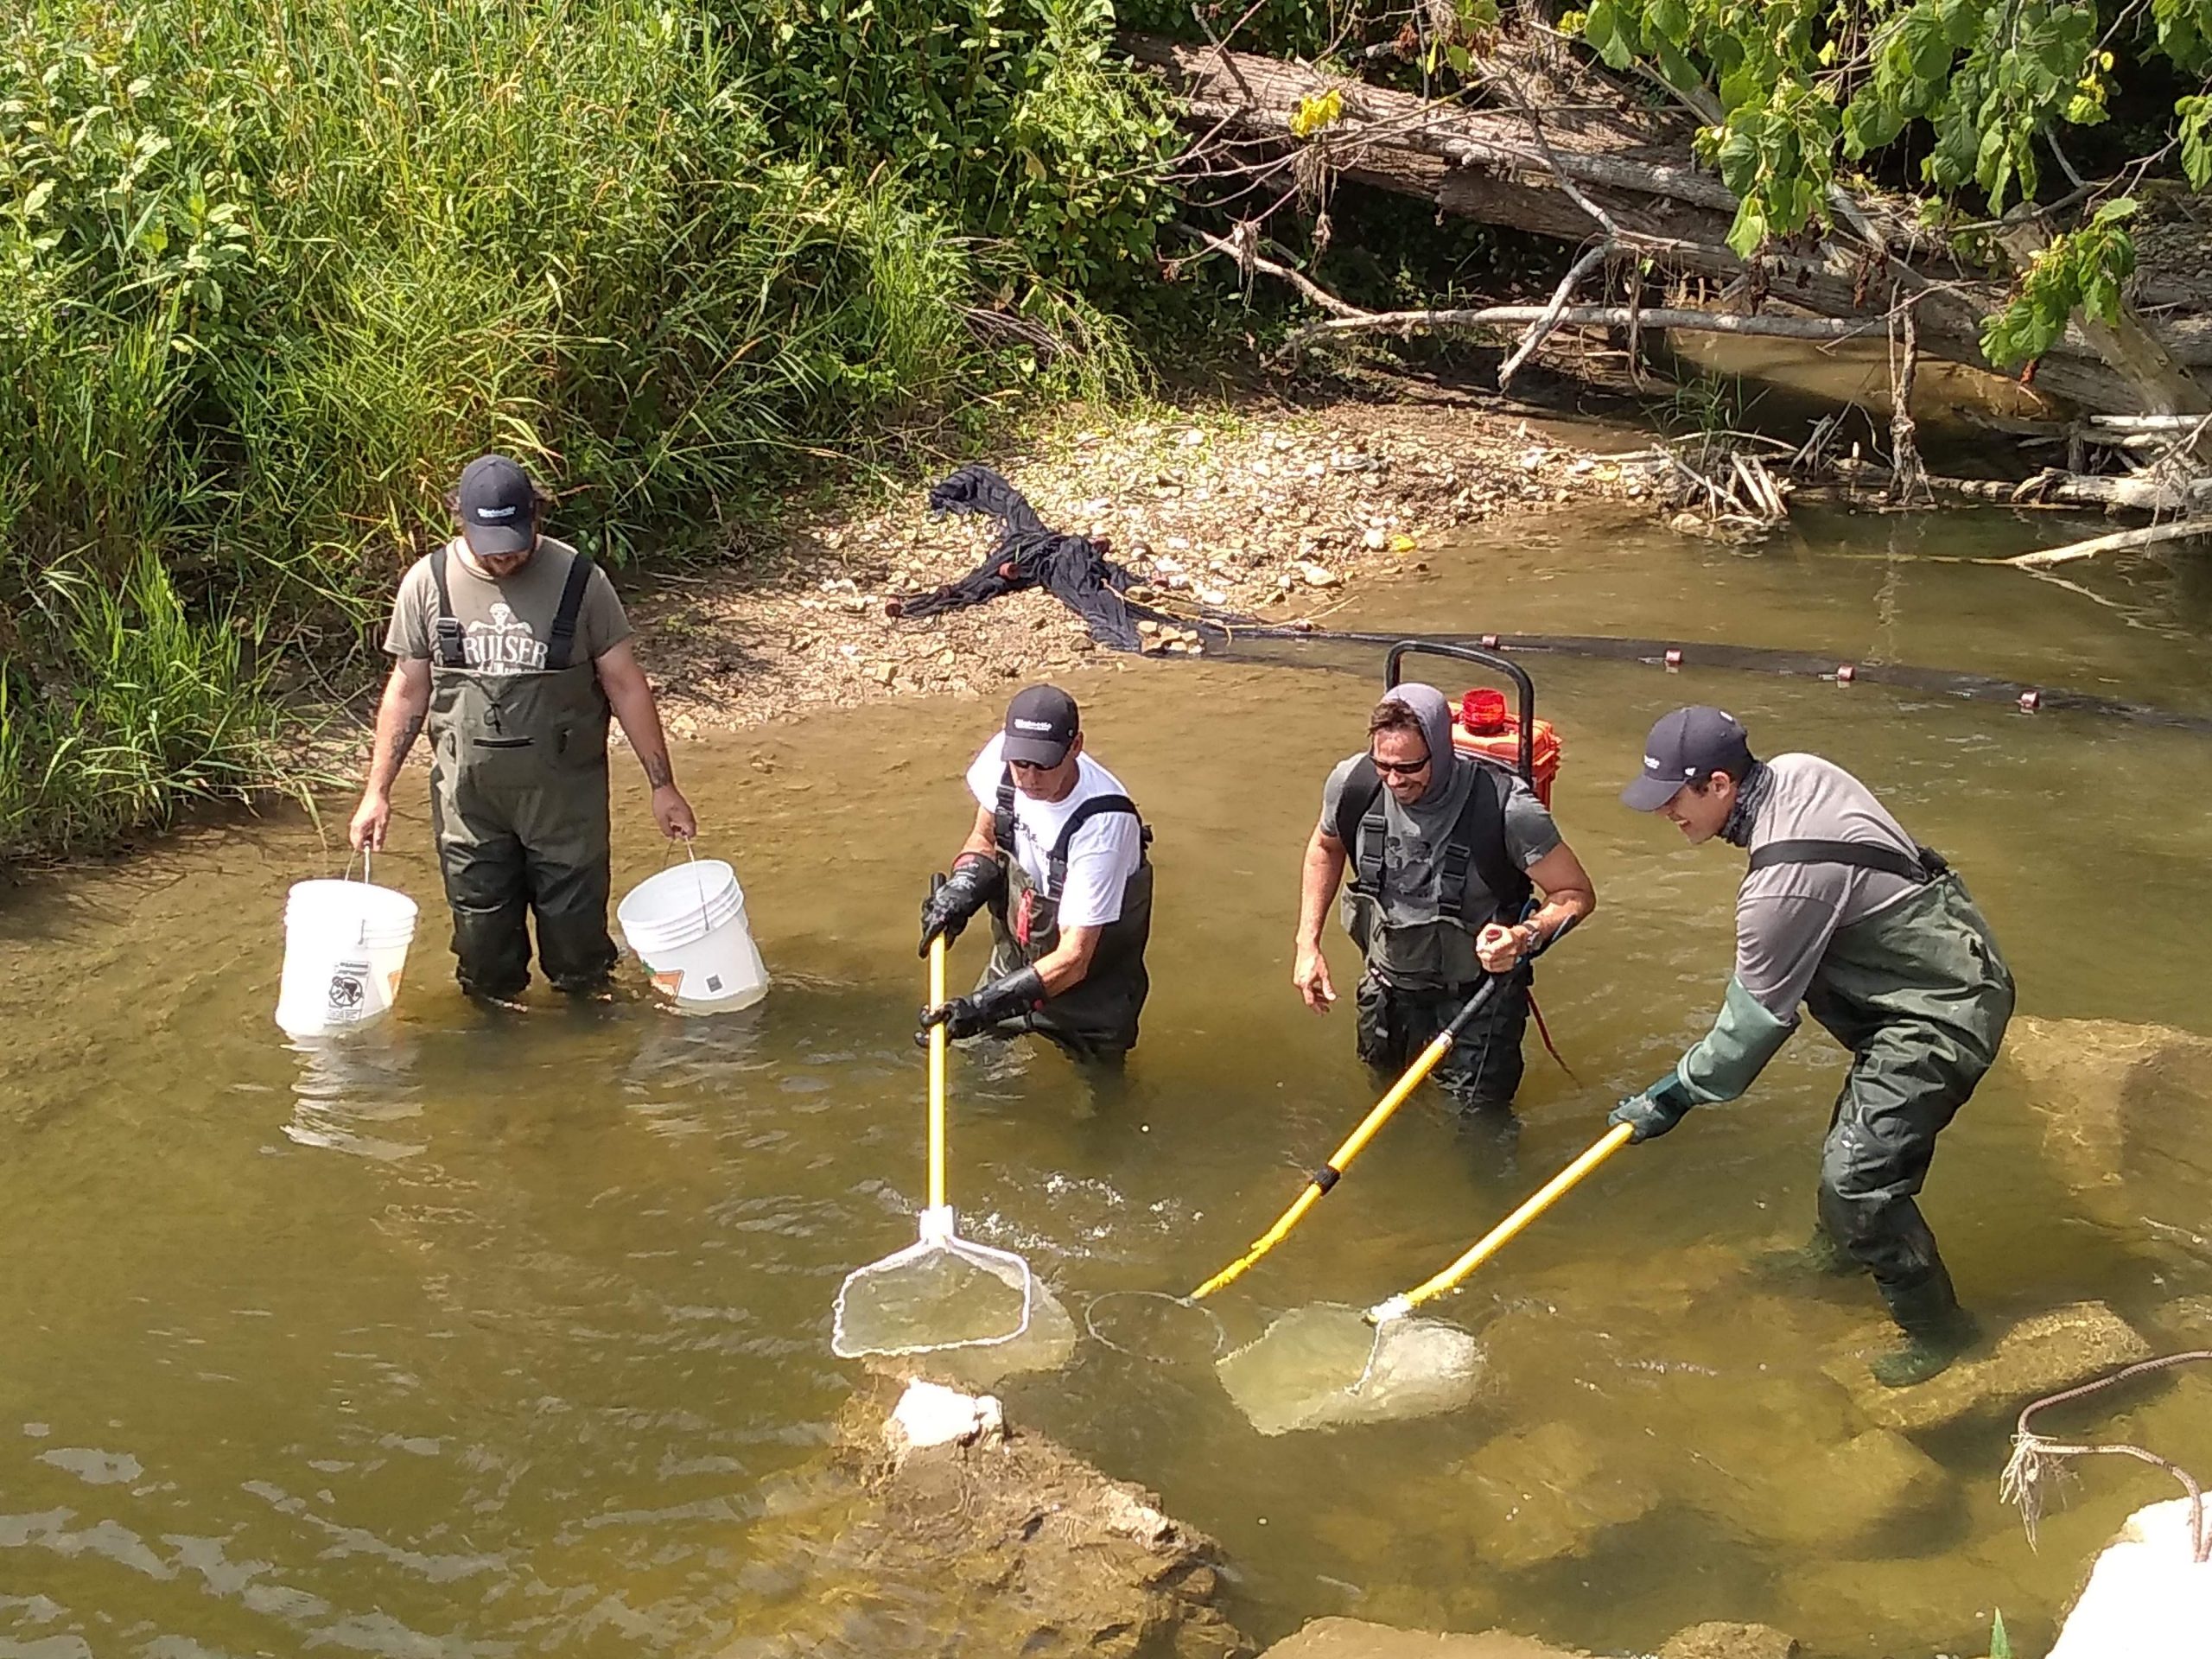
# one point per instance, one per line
(1503, 1234)
(1338, 1162)
(936, 1076)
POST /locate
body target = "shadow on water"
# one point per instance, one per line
(487, 1334)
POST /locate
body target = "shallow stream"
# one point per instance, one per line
(489, 1335)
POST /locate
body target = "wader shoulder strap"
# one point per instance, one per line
(1858, 854)
(1002, 814)
(445, 633)
(1362, 802)
(1056, 860)
(564, 640)
(1477, 841)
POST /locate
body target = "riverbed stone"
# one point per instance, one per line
(1719, 1640)
(1861, 1498)
(2146, 1594)
(1548, 1494)
(1356, 1638)
(2122, 1107)
(2038, 1356)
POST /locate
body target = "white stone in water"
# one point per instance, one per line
(928, 1413)
(2146, 1594)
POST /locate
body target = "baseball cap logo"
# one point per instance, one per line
(495, 512)
(1033, 725)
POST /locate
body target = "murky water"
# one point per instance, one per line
(491, 1336)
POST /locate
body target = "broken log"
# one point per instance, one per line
(1492, 165)
(2149, 535)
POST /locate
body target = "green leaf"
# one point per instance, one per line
(1748, 230)
(2000, 1644)
(1671, 18)
(2196, 115)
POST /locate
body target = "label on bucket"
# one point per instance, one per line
(670, 982)
(348, 991)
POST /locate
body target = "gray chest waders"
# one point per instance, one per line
(1097, 1018)
(1921, 996)
(1420, 973)
(519, 803)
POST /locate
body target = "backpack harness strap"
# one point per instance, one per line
(1477, 841)
(1926, 866)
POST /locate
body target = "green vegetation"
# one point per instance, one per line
(273, 269)
(1961, 102)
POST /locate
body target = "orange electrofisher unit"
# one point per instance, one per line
(1485, 728)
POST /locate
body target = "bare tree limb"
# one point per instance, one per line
(2120, 542)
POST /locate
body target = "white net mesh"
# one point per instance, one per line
(1324, 1366)
(941, 1292)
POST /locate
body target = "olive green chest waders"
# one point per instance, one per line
(1919, 995)
(1097, 1018)
(1419, 975)
(519, 803)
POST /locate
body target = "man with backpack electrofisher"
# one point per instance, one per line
(1446, 852)
(512, 648)
(1058, 857)
(1875, 935)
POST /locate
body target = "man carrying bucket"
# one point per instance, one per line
(1057, 855)
(1875, 935)
(512, 648)
(1446, 852)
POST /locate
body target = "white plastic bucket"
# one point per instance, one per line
(687, 924)
(345, 948)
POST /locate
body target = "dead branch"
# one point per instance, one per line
(2121, 542)
(1583, 316)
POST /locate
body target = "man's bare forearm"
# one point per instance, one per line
(640, 719)
(1325, 869)
(400, 722)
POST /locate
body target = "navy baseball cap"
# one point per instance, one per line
(1040, 723)
(497, 506)
(1684, 747)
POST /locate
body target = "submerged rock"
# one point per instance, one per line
(2147, 1594)
(1356, 1638)
(985, 1541)
(2122, 1108)
(1548, 1494)
(2038, 1356)
(1860, 1498)
(1723, 1640)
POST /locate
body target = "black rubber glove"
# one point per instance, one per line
(977, 879)
(1655, 1111)
(980, 1009)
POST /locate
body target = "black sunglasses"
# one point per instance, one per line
(1399, 768)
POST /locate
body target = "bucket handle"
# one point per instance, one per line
(367, 873)
(668, 856)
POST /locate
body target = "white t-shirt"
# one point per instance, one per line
(1102, 857)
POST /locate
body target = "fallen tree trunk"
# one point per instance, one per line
(1494, 166)
(2150, 536)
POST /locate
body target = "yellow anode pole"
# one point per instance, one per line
(1338, 1162)
(1503, 1234)
(936, 1076)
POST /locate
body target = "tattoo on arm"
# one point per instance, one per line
(656, 770)
(406, 746)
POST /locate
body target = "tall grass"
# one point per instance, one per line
(271, 270)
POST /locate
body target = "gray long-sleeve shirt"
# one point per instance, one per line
(1786, 915)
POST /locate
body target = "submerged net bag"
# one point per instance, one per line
(1325, 1366)
(940, 1292)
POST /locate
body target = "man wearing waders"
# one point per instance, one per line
(1446, 852)
(1875, 935)
(514, 649)
(1058, 857)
